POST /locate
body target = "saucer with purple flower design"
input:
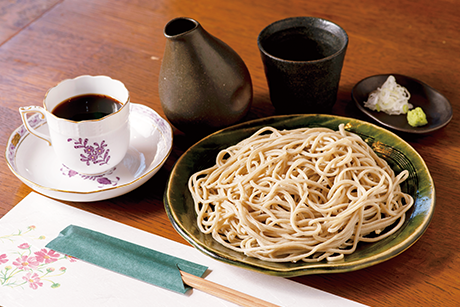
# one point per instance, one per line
(35, 164)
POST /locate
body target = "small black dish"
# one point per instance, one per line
(437, 108)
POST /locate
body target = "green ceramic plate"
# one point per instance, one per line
(400, 155)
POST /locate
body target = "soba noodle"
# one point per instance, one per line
(299, 195)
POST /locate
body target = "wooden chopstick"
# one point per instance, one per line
(225, 293)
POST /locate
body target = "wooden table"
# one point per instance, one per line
(45, 41)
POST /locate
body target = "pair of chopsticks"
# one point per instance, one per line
(98, 248)
(225, 293)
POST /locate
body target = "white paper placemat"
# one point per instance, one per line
(32, 275)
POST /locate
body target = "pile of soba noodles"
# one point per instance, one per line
(299, 195)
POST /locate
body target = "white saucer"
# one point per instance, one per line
(34, 162)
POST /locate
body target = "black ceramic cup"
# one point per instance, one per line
(303, 59)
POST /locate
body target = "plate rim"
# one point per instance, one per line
(312, 268)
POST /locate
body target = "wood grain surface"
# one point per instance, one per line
(45, 41)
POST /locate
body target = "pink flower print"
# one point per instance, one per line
(24, 246)
(63, 269)
(46, 256)
(26, 263)
(71, 258)
(3, 259)
(32, 227)
(33, 280)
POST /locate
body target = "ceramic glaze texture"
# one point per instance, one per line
(303, 59)
(398, 154)
(204, 85)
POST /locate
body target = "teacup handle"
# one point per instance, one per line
(33, 109)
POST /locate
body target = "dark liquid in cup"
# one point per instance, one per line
(298, 44)
(86, 107)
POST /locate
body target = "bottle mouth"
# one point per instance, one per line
(179, 26)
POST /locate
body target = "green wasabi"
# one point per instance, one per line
(416, 117)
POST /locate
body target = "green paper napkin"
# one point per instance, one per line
(124, 257)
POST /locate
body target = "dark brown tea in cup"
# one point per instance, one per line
(86, 107)
(299, 44)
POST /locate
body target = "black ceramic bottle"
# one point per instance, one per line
(204, 85)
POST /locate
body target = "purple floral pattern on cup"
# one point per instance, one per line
(95, 153)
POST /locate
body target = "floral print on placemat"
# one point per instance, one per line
(25, 265)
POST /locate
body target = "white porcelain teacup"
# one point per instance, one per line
(88, 144)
